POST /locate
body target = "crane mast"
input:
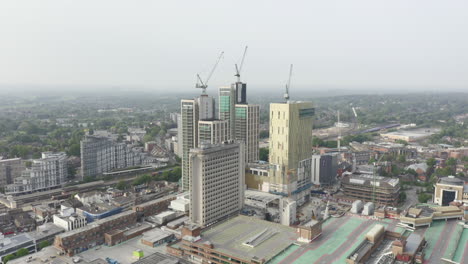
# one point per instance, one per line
(204, 84)
(239, 69)
(286, 95)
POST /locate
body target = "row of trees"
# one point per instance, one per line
(171, 175)
(23, 252)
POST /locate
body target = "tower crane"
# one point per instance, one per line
(239, 69)
(204, 84)
(288, 85)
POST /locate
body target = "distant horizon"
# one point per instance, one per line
(257, 89)
(346, 45)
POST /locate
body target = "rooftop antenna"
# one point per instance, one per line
(286, 95)
(204, 84)
(239, 69)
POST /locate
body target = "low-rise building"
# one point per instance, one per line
(156, 237)
(449, 189)
(255, 241)
(368, 188)
(409, 249)
(153, 207)
(9, 245)
(424, 215)
(48, 172)
(81, 239)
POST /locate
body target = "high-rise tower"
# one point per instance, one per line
(212, 131)
(189, 138)
(217, 182)
(227, 101)
(247, 129)
(290, 143)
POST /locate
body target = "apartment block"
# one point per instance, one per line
(10, 169)
(188, 130)
(213, 131)
(48, 172)
(247, 121)
(102, 154)
(227, 101)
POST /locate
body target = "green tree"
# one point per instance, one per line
(142, 179)
(444, 171)
(451, 162)
(121, 185)
(401, 158)
(264, 134)
(22, 252)
(8, 258)
(74, 150)
(401, 141)
(431, 162)
(402, 197)
(412, 172)
(71, 171)
(264, 152)
(424, 197)
(43, 244)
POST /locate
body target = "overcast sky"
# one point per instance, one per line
(414, 44)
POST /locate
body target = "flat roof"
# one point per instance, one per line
(412, 242)
(258, 196)
(94, 224)
(155, 235)
(231, 236)
(415, 133)
(136, 228)
(167, 197)
(9, 242)
(366, 179)
(161, 259)
(165, 213)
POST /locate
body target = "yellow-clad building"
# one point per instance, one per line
(290, 144)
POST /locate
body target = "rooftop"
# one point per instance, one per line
(451, 180)
(247, 238)
(94, 224)
(14, 241)
(413, 242)
(161, 259)
(363, 179)
(259, 199)
(155, 234)
(414, 133)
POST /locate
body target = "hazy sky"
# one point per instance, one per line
(163, 44)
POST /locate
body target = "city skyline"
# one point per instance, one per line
(403, 45)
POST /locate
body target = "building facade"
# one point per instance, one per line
(213, 131)
(247, 121)
(48, 172)
(217, 182)
(324, 169)
(91, 235)
(290, 143)
(369, 188)
(227, 102)
(102, 154)
(10, 169)
(189, 137)
(449, 189)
